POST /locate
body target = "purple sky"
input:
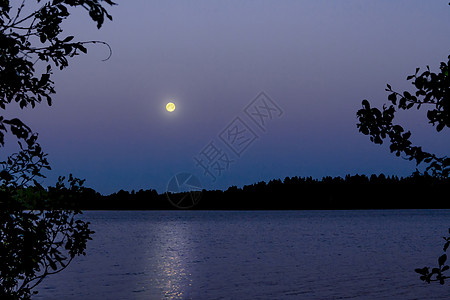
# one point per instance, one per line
(316, 59)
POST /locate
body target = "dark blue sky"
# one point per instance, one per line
(317, 60)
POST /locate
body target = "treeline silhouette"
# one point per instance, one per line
(349, 192)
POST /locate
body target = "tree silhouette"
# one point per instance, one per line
(36, 243)
(433, 92)
(349, 192)
(437, 274)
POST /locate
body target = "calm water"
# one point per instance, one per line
(256, 255)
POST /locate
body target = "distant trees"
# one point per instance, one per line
(349, 192)
(35, 243)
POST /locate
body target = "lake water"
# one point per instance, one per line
(256, 255)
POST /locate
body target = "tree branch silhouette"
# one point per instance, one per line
(432, 90)
(40, 233)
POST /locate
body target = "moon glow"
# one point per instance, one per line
(170, 107)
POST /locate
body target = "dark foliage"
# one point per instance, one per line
(437, 274)
(35, 243)
(29, 45)
(432, 90)
(43, 241)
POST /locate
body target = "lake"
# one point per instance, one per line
(256, 255)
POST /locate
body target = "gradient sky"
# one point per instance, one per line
(317, 60)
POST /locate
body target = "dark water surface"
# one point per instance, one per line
(256, 255)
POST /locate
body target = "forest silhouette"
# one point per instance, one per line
(293, 193)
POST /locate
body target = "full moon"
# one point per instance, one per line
(170, 107)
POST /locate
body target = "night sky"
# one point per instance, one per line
(315, 61)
